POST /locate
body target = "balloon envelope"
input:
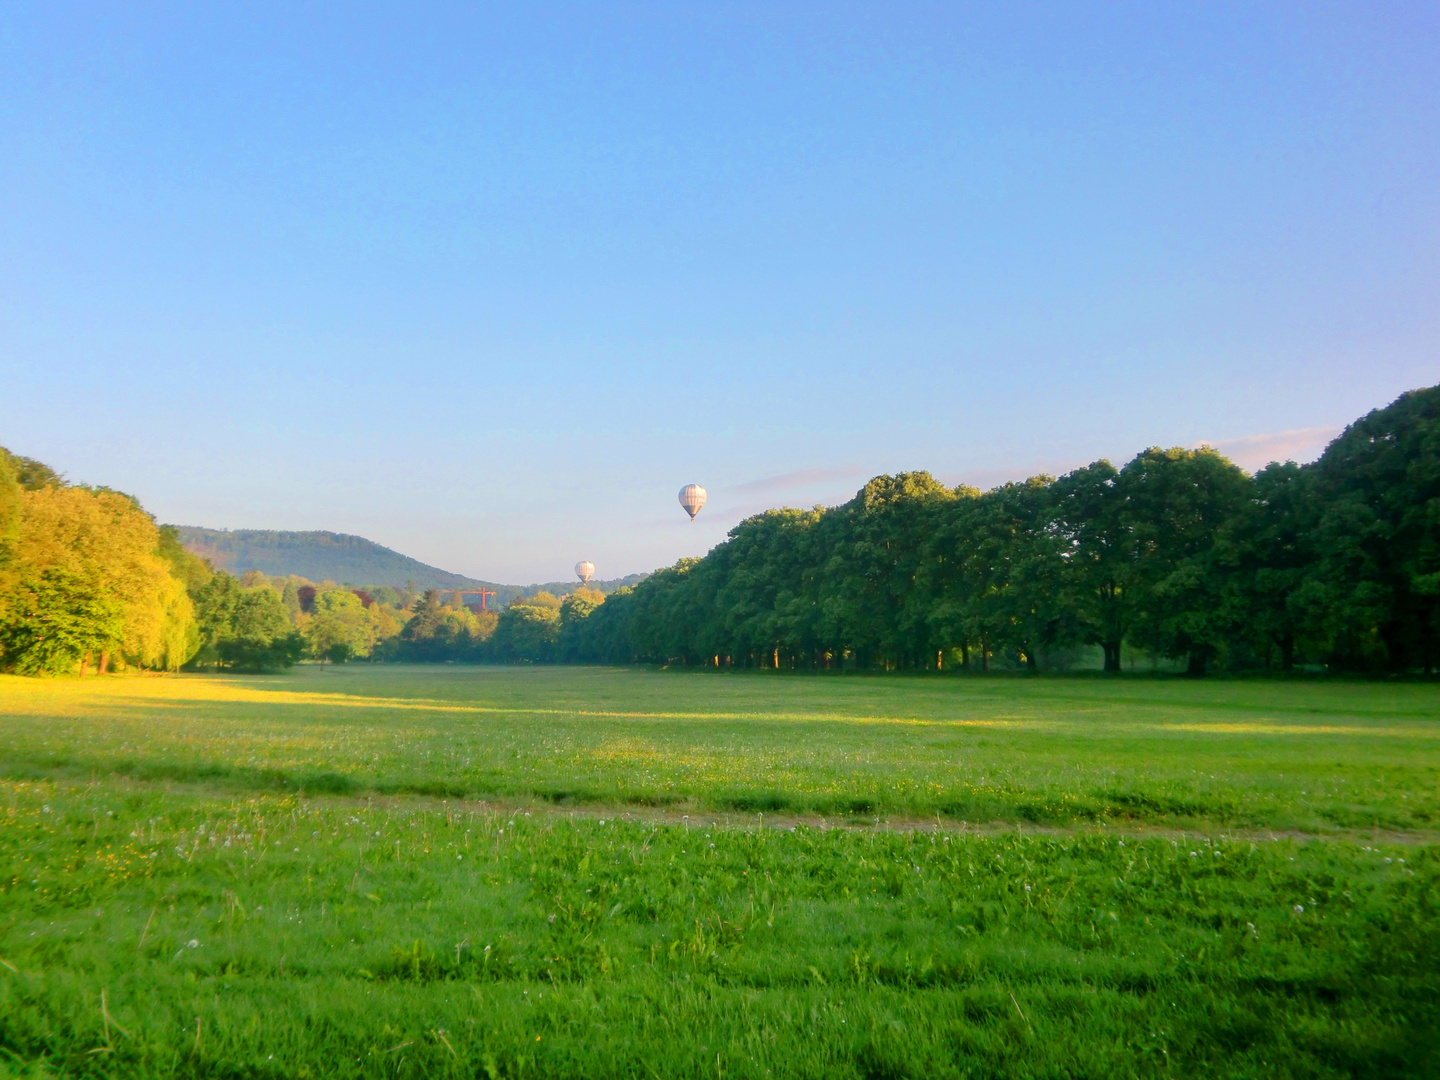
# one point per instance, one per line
(584, 570)
(692, 498)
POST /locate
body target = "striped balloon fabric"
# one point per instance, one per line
(585, 570)
(692, 498)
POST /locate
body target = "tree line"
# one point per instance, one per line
(90, 583)
(86, 578)
(1177, 554)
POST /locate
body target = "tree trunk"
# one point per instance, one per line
(85, 665)
(104, 662)
(1112, 656)
(985, 653)
(1287, 652)
(965, 655)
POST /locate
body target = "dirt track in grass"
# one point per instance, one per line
(698, 818)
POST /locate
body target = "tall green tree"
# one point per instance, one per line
(757, 596)
(215, 605)
(528, 630)
(575, 611)
(1378, 540)
(1003, 585)
(661, 624)
(1090, 516)
(870, 580)
(85, 576)
(1281, 602)
(603, 637)
(57, 619)
(244, 628)
(1183, 509)
(260, 636)
(340, 628)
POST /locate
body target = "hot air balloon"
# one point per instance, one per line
(692, 498)
(584, 570)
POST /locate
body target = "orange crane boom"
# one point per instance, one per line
(460, 595)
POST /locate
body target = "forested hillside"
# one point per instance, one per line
(351, 560)
(322, 556)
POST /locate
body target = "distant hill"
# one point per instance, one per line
(348, 560)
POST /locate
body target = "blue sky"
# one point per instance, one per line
(489, 285)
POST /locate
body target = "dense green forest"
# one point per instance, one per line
(90, 583)
(1177, 555)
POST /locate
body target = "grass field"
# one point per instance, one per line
(593, 872)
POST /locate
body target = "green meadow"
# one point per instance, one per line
(486, 872)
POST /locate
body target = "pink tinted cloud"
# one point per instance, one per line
(1256, 451)
(802, 478)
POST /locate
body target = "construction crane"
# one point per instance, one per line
(460, 595)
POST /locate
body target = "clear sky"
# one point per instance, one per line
(490, 284)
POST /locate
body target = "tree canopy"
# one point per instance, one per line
(1176, 555)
